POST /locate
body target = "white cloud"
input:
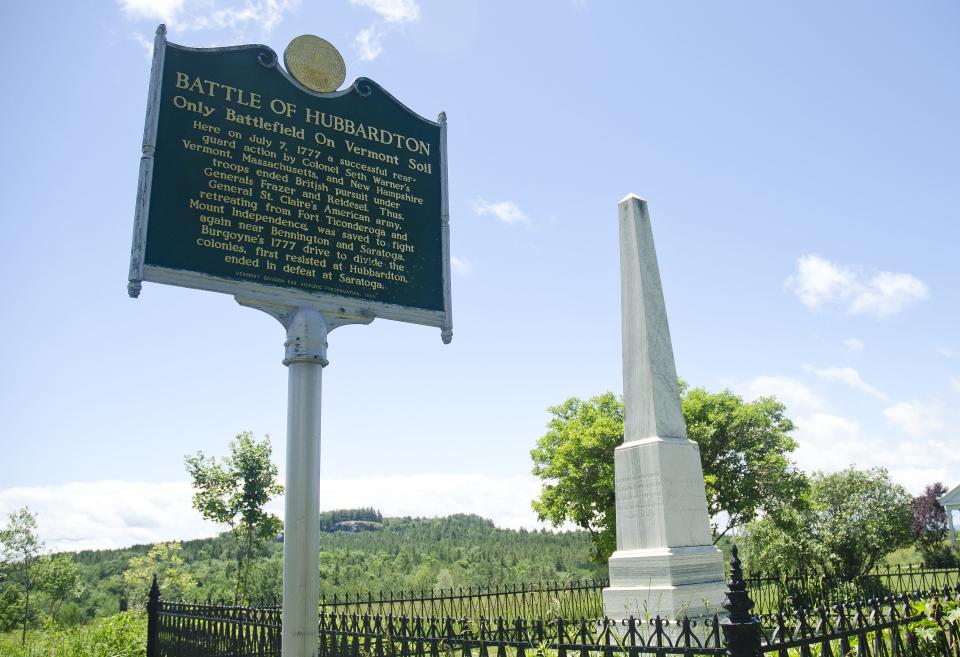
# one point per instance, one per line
(955, 383)
(506, 211)
(164, 11)
(853, 345)
(946, 352)
(916, 418)
(196, 15)
(848, 376)
(110, 514)
(795, 395)
(460, 265)
(828, 442)
(888, 293)
(915, 463)
(392, 11)
(819, 282)
(145, 43)
(369, 43)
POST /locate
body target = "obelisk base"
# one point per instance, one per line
(669, 582)
(665, 563)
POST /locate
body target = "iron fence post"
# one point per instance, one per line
(741, 630)
(153, 609)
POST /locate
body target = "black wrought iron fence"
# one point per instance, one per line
(184, 629)
(582, 598)
(577, 599)
(795, 590)
(890, 626)
(357, 636)
(893, 626)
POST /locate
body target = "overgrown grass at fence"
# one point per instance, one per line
(122, 635)
(583, 599)
(772, 592)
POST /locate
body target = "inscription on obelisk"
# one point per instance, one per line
(665, 562)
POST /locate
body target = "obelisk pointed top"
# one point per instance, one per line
(631, 195)
(650, 394)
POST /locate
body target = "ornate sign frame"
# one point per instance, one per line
(256, 293)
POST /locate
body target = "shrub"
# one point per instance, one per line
(851, 519)
(941, 556)
(121, 635)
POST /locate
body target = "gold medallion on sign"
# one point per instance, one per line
(315, 63)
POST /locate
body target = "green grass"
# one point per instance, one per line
(903, 557)
(121, 635)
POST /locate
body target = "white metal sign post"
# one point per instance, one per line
(305, 359)
(319, 207)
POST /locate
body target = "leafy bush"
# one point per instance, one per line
(850, 521)
(933, 630)
(941, 556)
(842, 592)
(122, 635)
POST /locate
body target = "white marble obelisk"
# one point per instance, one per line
(665, 561)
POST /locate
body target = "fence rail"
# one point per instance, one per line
(183, 629)
(866, 628)
(355, 636)
(583, 598)
(879, 627)
(873, 629)
(772, 592)
(536, 600)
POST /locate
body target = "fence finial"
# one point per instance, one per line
(153, 615)
(741, 630)
(738, 603)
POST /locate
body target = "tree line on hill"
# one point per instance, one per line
(406, 554)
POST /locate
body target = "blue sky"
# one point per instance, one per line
(800, 163)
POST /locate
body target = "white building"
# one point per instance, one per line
(951, 502)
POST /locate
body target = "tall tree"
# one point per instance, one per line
(744, 451)
(851, 520)
(928, 523)
(20, 547)
(234, 491)
(575, 460)
(58, 578)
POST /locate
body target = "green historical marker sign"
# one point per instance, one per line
(319, 207)
(252, 183)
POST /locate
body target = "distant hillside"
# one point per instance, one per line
(405, 553)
